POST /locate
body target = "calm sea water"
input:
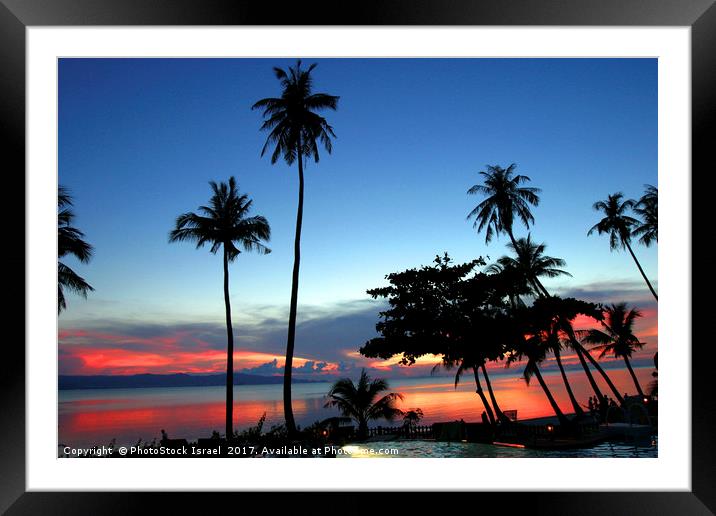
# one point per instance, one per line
(95, 417)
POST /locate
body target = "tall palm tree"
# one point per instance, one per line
(618, 339)
(361, 401)
(225, 224)
(69, 243)
(295, 130)
(505, 200)
(647, 228)
(618, 225)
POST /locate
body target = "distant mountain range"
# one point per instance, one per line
(139, 381)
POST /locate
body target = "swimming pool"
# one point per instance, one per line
(428, 449)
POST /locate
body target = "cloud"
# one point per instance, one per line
(632, 292)
(323, 335)
(327, 340)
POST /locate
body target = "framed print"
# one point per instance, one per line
(424, 236)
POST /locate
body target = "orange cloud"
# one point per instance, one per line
(81, 359)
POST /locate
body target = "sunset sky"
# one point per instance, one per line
(139, 139)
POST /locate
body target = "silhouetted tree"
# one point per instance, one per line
(412, 417)
(295, 130)
(532, 263)
(361, 403)
(618, 225)
(443, 311)
(531, 341)
(618, 339)
(225, 224)
(564, 311)
(69, 243)
(505, 200)
(647, 228)
(654, 384)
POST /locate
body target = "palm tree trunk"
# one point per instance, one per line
(288, 367)
(601, 371)
(575, 405)
(480, 393)
(542, 291)
(539, 288)
(567, 327)
(578, 349)
(512, 238)
(229, 352)
(648, 283)
(633, 377)
(590, 377)
(362, 430)
(498, 412)
(560, 415)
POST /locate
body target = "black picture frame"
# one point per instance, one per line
(17, 15)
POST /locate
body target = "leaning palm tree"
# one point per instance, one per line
(505, 200)
(618, 225)
(295, 130)
(530, 262)
(464, 365)
(647, 228)
(534, 347)
(225, 224)
(618, 339)
(69, 243)
(361, 401)
(556, 344)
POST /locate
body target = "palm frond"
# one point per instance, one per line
(225, 223)
(294, 126)
(70, 242)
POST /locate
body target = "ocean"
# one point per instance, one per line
(98, 416)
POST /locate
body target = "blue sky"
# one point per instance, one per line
(139, 139)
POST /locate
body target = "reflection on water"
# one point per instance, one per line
(95, 417)
(89, 417)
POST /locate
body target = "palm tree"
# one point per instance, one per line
(361, 401)
(532, 263)
(488, 345)
(555, 344)
(225, 224)
(295, 130)
(647, 229)
(412, 417)
(563, 312)
(69, 243)
(498, 411)
(505, 200)
(464, 365)
(618, 339)
(618, 225)
(534, 347)
(514, 279)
